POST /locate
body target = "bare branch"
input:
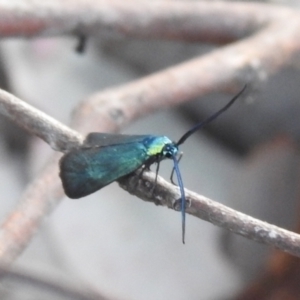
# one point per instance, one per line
(166, 194)
(218, 22)
(20, 226)
(57, 135)
(38, 200)
(228, 68)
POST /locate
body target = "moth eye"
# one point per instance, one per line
(168, 151)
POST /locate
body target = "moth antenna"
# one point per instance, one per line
(183, 200)
(209, 119)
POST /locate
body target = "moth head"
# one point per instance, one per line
(170, 150)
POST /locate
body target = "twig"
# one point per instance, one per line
(166, 194)
(58, 136)
(273, 46)
(251, 61)
(217, 22)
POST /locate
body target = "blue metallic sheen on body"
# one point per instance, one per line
(104, 158)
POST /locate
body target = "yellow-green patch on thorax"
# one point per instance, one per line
(155, 144)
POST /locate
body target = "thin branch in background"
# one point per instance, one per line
(250, 61)
(216, 22)
(24, 280)
(274, 45)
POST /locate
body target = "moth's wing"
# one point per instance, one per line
(107, 139)
(87, 170)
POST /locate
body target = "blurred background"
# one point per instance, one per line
(112, 242)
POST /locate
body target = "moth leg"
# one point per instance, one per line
(156, 174)
(172, 173)
(144, 167)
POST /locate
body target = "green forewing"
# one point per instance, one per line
(108, 139)
(87, 170)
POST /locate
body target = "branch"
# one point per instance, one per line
(276, 44)
(19, 227)
(166, 194)
(218, 22)
(250, 61)
(58, 136)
